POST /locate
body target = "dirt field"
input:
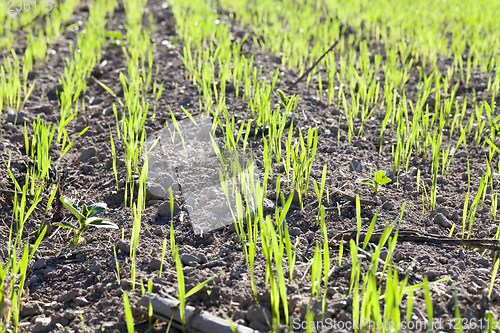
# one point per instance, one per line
(81, 290)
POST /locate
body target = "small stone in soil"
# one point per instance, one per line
(31, 309)
(153, 202)
(50, 273)
(483, 261)
(472, 288)
(442, 221)
(398, 256)
(295, 199)
(95, 267)
(59, 319)
(479, 282)
(164, 209)
(440, 199)
(403, 177)
(155, 191)
(202, 257)
(388, 205)
(334, 130)
(268, 205)
(441, 180)
(86, 169)
(42, 324)
(154, 264)
(39, 264)
(188, 271)
(16, 118)
(69, 315)
(99, 129)
(124, 247)
(295, 231)
(432, 275)
(383, 254)
(337, 112)
(82, 301)
(69, 295)
(93, 160)
(87, 153)
(189, 260)
(45, 108)
(355, 165)
(258, 313)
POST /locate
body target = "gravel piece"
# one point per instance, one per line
(39, 264)
(268, 206)
(202, 257)
(355, 165)
(87, 154)
(59, 319)
(334, 130)
(69, 295)
(442, 221)
(95, 267)
(337, 112)
(190, 260)
(295, 231)
(154, 264)
(388, 205)
(50, 273)
(31, 309)
(164, 209)
(42, 324)
(479, 282)
(124, 247)
(45, 108)
(441, 180)
(258, 313)
(16, 118)
(82, 301)
(440, 199)
(403, 177)
(155, 191)
(433, 274)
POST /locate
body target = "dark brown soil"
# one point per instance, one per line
(83, 286)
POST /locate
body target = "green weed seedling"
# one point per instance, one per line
(284, 99)
(378, 180)
(86, 218)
